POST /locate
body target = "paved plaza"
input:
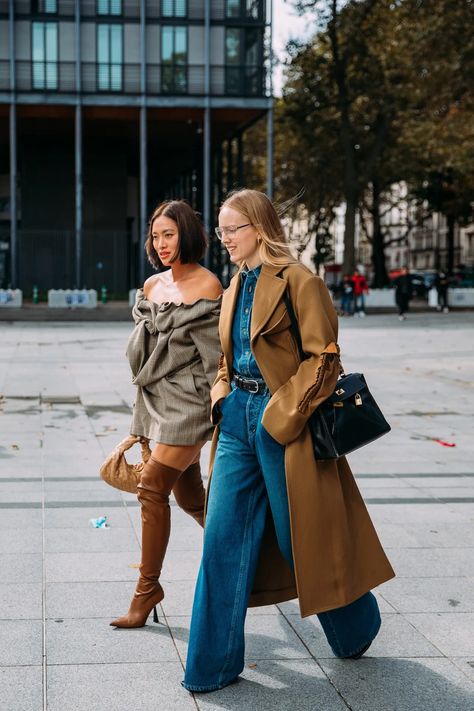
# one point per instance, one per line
(65, 401)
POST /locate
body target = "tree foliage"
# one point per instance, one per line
(382, 93)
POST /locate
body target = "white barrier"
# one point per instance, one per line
(380, 298)
(11, 298)
(72, 298)
(461, 297)
(132, 294)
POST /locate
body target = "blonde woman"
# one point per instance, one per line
(279, 524)
(173, 353)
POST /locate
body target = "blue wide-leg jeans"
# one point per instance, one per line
(248, 478)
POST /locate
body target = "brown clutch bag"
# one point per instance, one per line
(117, 472)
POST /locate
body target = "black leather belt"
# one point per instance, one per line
(251, 385)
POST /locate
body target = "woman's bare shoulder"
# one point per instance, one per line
(151, 282)
(209, 285)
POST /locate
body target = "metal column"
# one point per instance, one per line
(78, 186)
(270, 153)
(78, 150)
(143, 147)
(270, 110)
(13, 153)
(207, 127)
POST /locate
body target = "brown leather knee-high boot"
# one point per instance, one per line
(190, 494)
(156, 484)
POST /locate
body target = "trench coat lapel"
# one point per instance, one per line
(268, 292)
(229, 302)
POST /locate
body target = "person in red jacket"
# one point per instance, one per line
(361, 288)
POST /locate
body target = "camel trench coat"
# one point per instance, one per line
(337, 554)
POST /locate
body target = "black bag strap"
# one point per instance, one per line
(294, 325)
(296, 331)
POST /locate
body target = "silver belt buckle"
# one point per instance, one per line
(253, 384)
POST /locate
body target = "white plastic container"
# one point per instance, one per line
(72, 298)
(11, 298)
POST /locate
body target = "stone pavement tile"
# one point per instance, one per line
(21, 642)
(21, 540)
(185, 538)
(16, 518)
(181, 565)
(86, 494)
(21, 601)
(426, 535)
(75, 540)
(430, 562)
(123, 687)
(91, 567)
(285, 685)
(450, 632)
(79, 600)
(25, 497)
(450, 482)
(451, 492)
(76, 483)
(421, 514)
(397, 638)
(401, 684)
(430, 594)
(266, 637)
(27, 568)
(79, 517)
(21, 688)
(94, 641)
(465, 664)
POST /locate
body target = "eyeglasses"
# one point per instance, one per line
(222, 231)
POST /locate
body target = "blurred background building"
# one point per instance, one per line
(107, 107)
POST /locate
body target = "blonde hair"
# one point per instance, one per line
(258, 209)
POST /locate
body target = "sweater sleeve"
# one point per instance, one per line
(205, 336)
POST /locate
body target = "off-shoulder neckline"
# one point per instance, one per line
(182, 303)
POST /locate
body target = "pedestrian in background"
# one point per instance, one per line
(403, 291)
(346, 289)
(441, 284)
(361, 288)
(173, 353)
(279, 524)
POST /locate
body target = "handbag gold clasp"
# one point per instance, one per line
(341, 391)
(338, 404)
(358, 400)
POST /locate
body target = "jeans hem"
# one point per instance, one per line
(369, 641)
(213, 687)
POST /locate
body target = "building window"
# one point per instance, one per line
(109, 7)
(243, 61)
(174, 60)
(244, 8)
(44, 6)
(109, 57)
(173, 8)
(45, 55)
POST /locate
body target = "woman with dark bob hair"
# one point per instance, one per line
(173, 353)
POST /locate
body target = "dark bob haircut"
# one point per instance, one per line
(192, 243)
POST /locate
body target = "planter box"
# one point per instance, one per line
(11, 298)
(380, 298)
(461, 297)
(72, 298)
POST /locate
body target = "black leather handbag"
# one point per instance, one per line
(349, 418)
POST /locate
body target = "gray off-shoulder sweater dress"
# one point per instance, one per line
(173, 353)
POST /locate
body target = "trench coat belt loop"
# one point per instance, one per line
(251, 385)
